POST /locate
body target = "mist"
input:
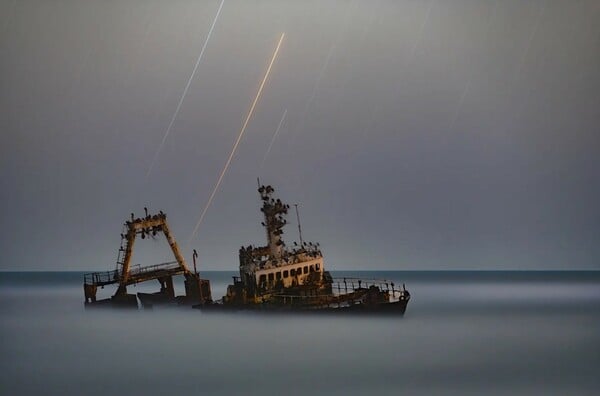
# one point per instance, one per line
(468, 333)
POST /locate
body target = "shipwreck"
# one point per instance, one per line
(272, 278)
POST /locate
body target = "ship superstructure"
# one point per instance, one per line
(276, 277)
(276, 270)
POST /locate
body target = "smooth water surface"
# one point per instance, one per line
(464, 333)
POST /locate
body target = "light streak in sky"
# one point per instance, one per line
(421, 31)
(273, 139)
(319, 78)
(332, 50)
(529, 40)
(460, 104)
(415, 47)
(519, 67)
(237, 142)
(164, 139)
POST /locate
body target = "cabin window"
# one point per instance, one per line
(293, 272)
(286, 274)
(317, 267)
(306, 270)
(262, 278)
(312, 268)
(278, 275)
(271, 276)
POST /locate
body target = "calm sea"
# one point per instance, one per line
(464, 333)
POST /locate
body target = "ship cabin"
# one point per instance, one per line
(274, 269)
(290, 275)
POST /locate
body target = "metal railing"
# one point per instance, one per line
(342, 286)
(102, 278)
(344, 292)
(109, 277)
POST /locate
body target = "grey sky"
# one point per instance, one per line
(418, 135)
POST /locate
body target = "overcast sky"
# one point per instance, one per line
(447, 134)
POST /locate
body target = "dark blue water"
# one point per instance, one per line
(464, 333)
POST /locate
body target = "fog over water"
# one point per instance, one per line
(464, 333)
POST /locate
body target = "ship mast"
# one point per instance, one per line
(274, 211)
(299, 226)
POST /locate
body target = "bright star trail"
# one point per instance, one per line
(239, 138)
(164, 139)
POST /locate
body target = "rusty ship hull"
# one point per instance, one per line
(272, 278)
(397, 308)
(281, 279)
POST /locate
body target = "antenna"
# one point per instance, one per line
(258, 181)
(194, 257)
(299, 226)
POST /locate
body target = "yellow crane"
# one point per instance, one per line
(197, 290)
